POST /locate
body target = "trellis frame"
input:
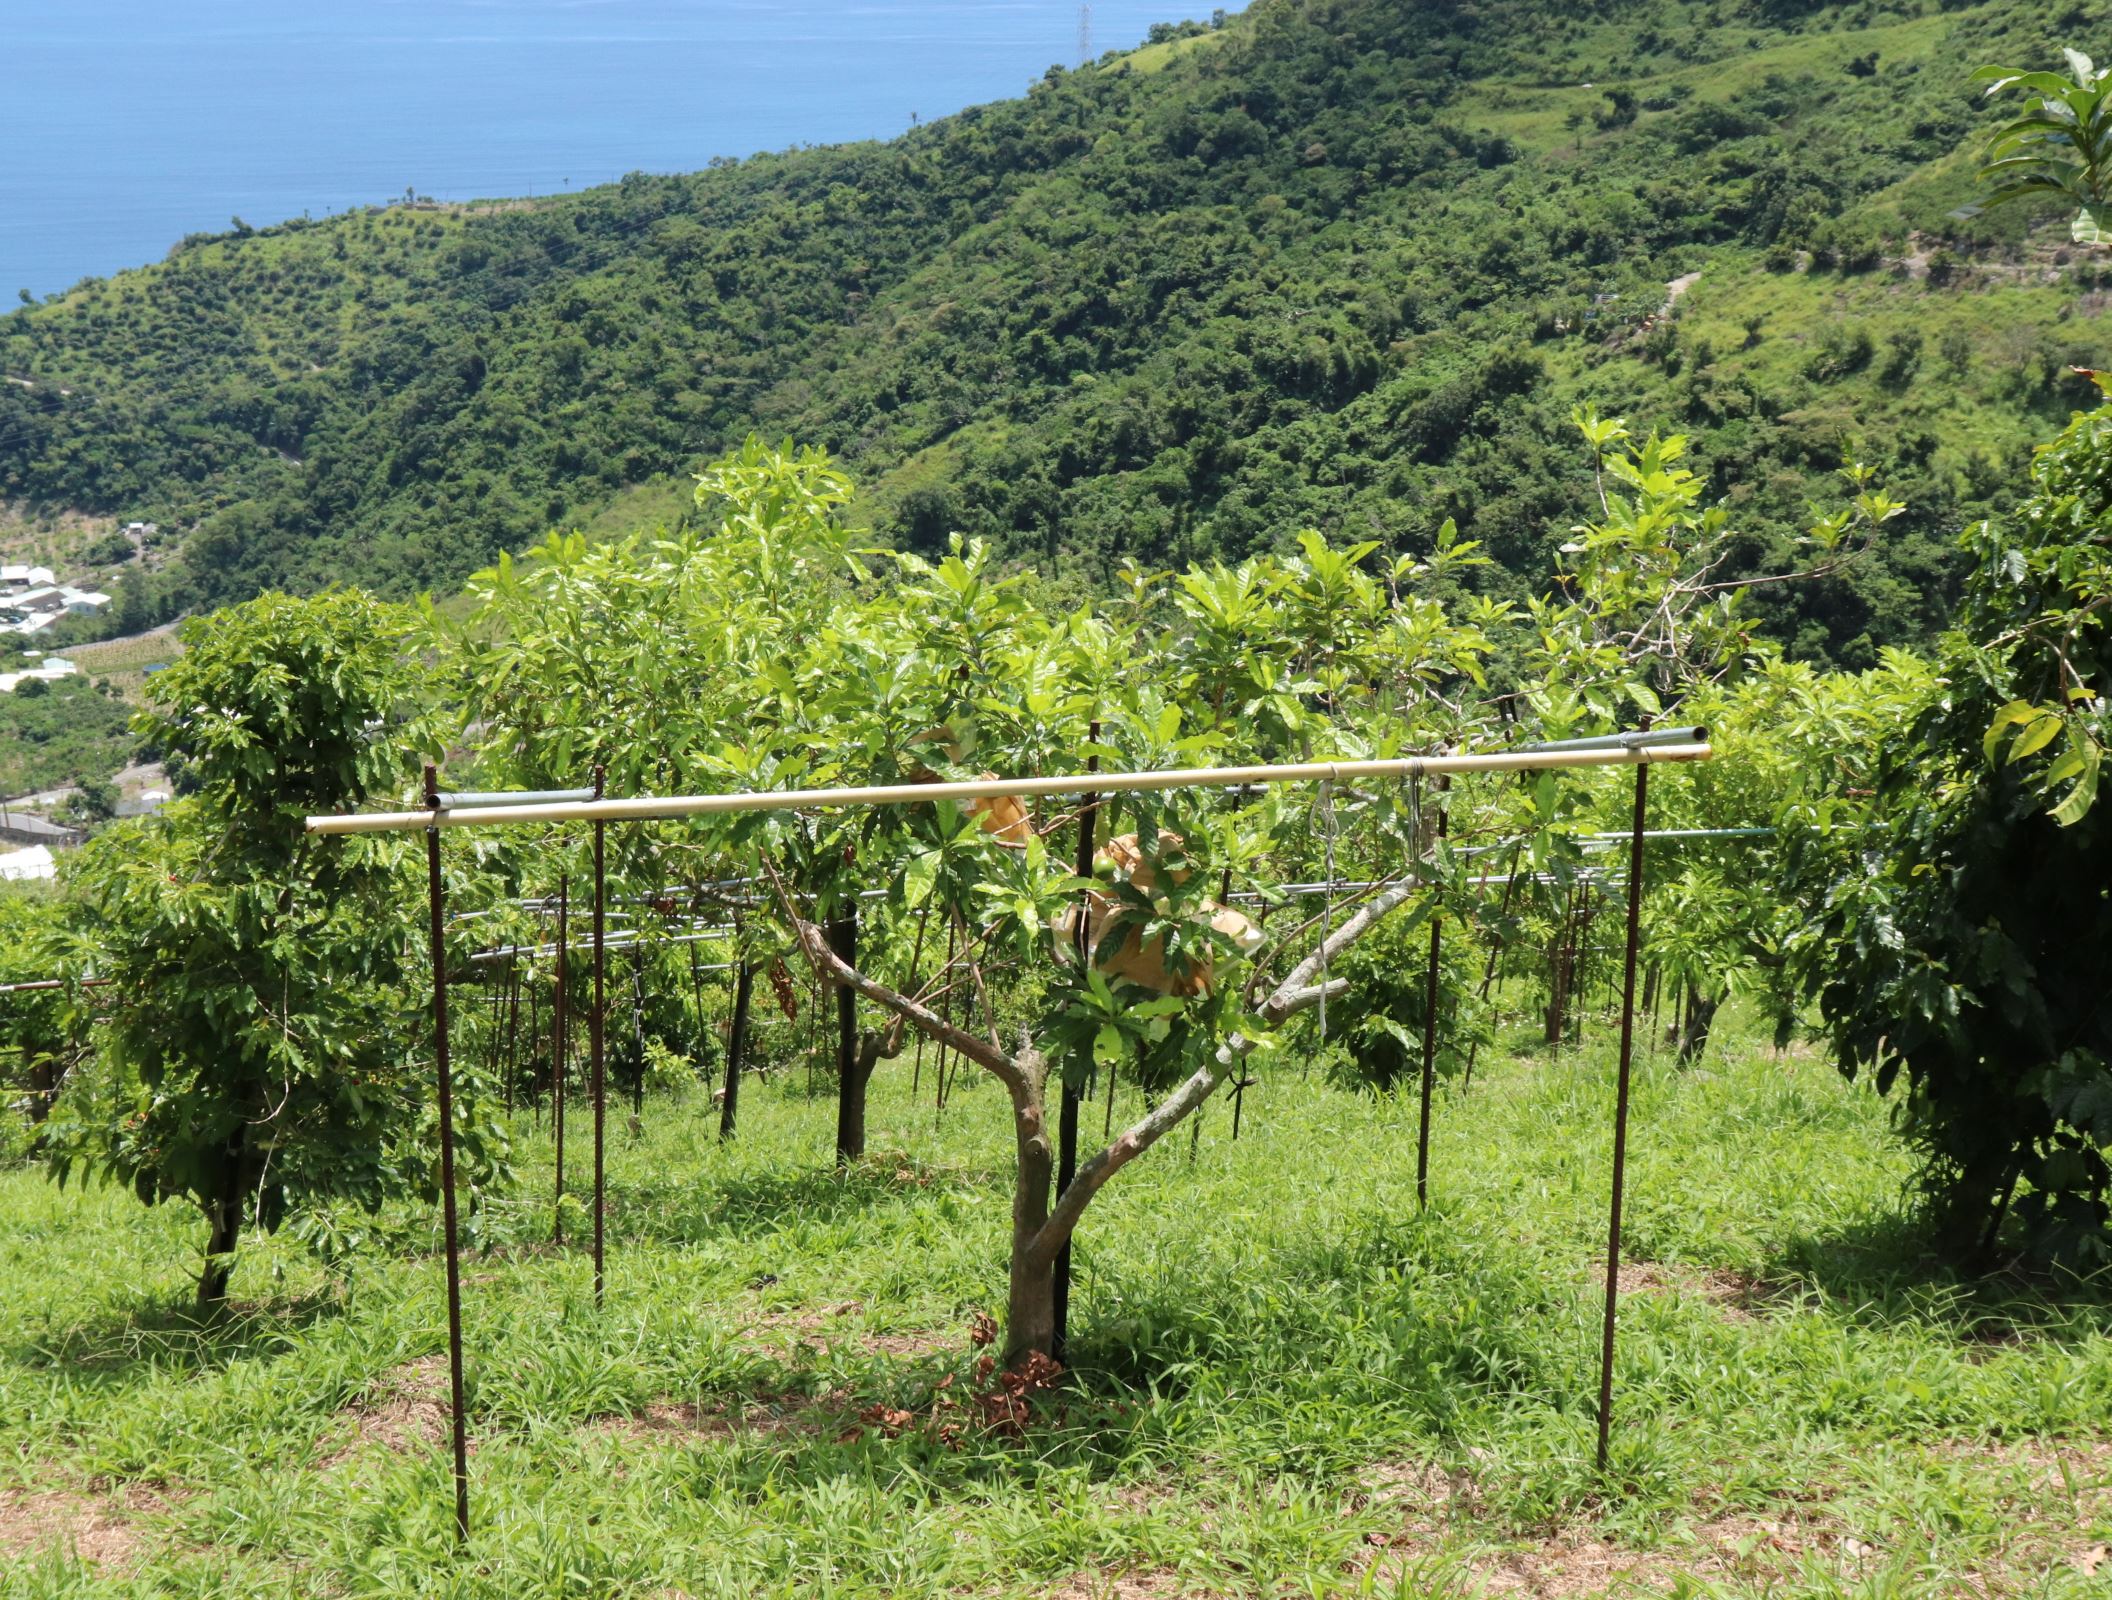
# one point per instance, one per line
(1641, 750)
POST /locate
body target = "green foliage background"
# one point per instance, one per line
(1343, 264)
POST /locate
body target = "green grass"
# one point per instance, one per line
(1288, 1382)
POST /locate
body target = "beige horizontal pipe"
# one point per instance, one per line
(643, 808)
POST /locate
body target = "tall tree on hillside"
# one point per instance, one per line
(262, 1047)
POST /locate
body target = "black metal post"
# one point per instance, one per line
(595, 1030)
(1620, 1110)
(1437, 934)
(436, 896)
(1067, 1111)
(561, 1032)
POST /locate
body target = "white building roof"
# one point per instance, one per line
(50, 670)
(16, 572)
(34, 862)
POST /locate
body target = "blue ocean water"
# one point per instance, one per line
(125, 124)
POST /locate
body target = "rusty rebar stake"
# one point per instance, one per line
(436, 896)
(1620, 1113)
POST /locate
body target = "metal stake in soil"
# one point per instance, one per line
(1620, 1111)
(1067, 1113)
(594, 1035)
(436, 896)
(1422, 1136)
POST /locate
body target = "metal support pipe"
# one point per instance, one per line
(1422, 1136)
(537, 952)
(1637, 739)
(458, 799)
(595, 1019)
(436, 896)
(1620, 1113)
(645, 808)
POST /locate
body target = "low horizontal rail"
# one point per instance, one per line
(650, 808)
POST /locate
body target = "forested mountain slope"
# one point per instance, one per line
(1342, 262)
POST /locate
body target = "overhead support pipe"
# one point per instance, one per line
(648, 808)
(463, 798)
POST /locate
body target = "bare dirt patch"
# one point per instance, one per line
(407, 1410)
(1159, 1585)
(102, 1529)
(828, 1328)
(763, 1417)
(1740, 1296)
(2063, 1501)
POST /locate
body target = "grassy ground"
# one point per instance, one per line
(1288, 1382)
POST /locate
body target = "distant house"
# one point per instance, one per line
(49, 670)
(33, 608)
(17, 576)
(26, 827)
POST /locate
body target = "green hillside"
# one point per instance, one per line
(1345, 263)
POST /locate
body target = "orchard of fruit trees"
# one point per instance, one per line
(1917, 877)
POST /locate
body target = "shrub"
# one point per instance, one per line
(1961, 914)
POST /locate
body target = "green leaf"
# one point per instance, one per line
(2037, 734)
(919, 877)
(2016, 711)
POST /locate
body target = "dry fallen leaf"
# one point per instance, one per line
(2088, 1561)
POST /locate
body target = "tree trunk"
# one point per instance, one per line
(43, 1087)
(736, 1047)
(1030, 1310)
(1701, 1016)
(1559, 969)
(850, 1081)
(223, 1223)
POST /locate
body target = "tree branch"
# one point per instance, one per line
(1292, 996)
(1277, 1006)
(828, 964)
